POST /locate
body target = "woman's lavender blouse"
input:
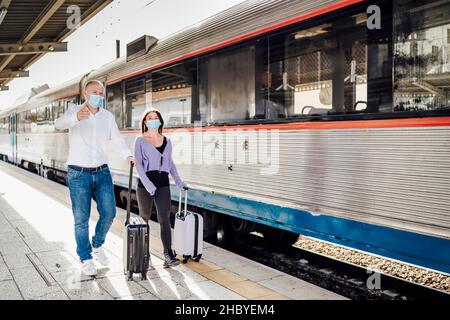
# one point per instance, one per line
(149, 158)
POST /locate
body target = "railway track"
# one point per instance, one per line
(350, 280)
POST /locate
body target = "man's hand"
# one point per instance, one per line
(84, 113)
(131, 160)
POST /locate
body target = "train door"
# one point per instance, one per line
(13, 137)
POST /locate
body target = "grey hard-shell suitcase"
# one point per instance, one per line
(136, 249)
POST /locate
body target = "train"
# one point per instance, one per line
(324, 118)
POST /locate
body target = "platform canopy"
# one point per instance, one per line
(30, 29)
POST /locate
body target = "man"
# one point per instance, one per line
(91, 127)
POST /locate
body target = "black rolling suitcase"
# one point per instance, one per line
(136, 251)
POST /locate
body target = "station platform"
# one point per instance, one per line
(38, 258)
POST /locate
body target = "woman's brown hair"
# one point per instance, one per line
(146, 113)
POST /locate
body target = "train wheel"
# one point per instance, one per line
(225, 235)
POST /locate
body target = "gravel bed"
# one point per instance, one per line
(418, 275)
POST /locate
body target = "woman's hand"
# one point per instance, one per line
(131, 160)
(185, 188)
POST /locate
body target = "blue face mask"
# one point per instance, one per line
(96, 101)
(153, 124)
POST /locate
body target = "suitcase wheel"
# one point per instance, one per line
(197, 258)
(185, 260)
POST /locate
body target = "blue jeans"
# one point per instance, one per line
(85, 186)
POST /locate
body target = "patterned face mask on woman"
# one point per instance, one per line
(153, 124)
(96, 101)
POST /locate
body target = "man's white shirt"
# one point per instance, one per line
(89, 138)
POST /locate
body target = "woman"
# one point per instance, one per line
(153, 158)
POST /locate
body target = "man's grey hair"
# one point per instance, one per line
(94, 81)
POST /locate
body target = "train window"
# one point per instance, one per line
(313, 70)
(114, 102)
(4, 126)
(40, 115)
(171, 92)
(422, 55)
(26, 120)
(21, 122)
(58, 108)
(134, 102)
(326, 68)
(71, 102)
(42, 120)
(227, 85)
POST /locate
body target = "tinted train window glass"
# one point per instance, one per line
(114, 102)
(422, 55)
(312, 71)
(4, 126)
(227, 85)
(58, 108)
(71, 102)
(329, 68)
(134, 102)
(172, 93)
(40, 115)
(41, 120)
(21, 122)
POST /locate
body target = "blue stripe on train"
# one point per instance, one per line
(426, 251)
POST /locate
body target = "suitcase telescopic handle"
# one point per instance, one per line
(185, 202)
(130, 182)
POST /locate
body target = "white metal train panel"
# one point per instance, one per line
(397, 177)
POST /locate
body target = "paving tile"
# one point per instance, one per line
(273, 296)
(36, 289)
(298, 289)
(57, 294)
(156, 244)
(209, 290)
(32, 285)
(253, 270)
(9, 291)
(39, 245)
(30, 274)
(12, 248)
(223, 276)
(248, 289)
(5, 228)
(142, 296)
(13, 217)
(166, 289)
(9, 238)
(17, 261)
(182, 274)
(70, 277)
(55, 261)
(26, 230)
(202, 266)
(88, 290)
(4, 272)
(119, 286)
(226, 259)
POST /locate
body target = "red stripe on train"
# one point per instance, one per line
(332, 125)
(312, 14)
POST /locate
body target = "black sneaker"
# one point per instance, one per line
(169, 259)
